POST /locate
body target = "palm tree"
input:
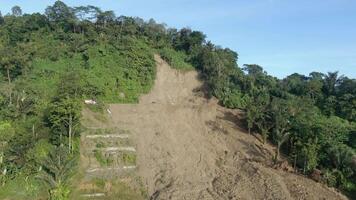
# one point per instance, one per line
(56, 172)
(331, 80)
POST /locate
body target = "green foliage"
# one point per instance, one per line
(341, 157)
(123, 191)
(233, 98)
(22, 188)
(129, 159)
(6, 131)
(56, 172)
(61, 192)
(310, 154)
(38, 154)
(102, 160)
(176, 59)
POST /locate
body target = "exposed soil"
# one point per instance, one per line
(189, 147)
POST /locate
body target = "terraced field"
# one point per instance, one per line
(108, 161)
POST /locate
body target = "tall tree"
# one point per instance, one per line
(331, 80)
(103, 18)
(61, 14)
(9, 62)
(281, 119)
(89, 13)
(253, 69)
(64, 114)
(2, 21)
(16, 11)
(256, 108)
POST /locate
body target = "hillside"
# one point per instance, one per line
(189, 147)
(180, 109)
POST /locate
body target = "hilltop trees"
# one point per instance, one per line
(16, 11)
(61, 15)
(87, 13)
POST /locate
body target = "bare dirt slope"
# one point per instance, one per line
(189, 147)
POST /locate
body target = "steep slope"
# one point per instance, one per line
(189, 147)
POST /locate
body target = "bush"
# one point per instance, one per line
(176, 59)
(60, 193)
(234, 99)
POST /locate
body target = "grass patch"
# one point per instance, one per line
(113, 190)
(100, 145)
(102, 160)
(129, 159)
(100, 183)
(123, 191)
(100, 107)
(108, 131)
(23, 188)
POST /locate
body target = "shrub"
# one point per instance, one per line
(176, 59)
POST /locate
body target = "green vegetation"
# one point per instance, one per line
(102, 160)
(129, 158)
(113, 190)
(23, 188)
(123, 191)
(50, 62)
(176, 59)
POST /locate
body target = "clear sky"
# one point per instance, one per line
(283, 36)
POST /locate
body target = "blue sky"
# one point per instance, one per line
(283, 36)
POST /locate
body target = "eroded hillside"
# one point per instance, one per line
(189, 147)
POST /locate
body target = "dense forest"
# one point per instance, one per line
(50, 62)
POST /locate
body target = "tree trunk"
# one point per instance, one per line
(277, 151)
(18, 102)
(70, 132)
(8, 75)
(60, 139)
(264, 136)
(33, 131)
(9, 81)
(295, 162)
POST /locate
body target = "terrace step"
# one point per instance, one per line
(115, 149)
(93, 195)
(121, 136)
(124, 168)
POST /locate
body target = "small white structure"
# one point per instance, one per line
(90, 102)
(109, 111)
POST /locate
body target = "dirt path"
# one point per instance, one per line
(188, 147)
